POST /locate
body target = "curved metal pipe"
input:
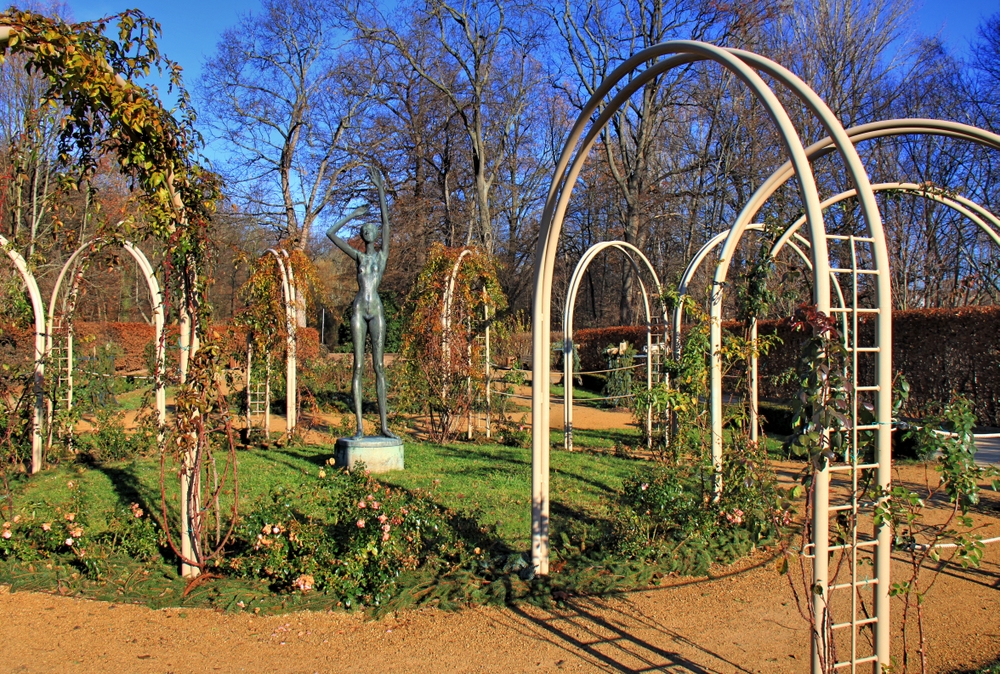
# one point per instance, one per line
(38, 377)
(291, 365)
(627, 249)
(569, 166)
(156, 300)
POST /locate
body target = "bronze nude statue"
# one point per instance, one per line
(368, 316)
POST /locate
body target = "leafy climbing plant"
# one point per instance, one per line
(445, 311)
(928, 544)
(91, 70)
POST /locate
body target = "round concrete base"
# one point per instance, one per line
(379, 454)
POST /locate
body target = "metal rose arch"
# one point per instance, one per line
(872, 267)
(38, 375)
(631, 253)
(64, 321)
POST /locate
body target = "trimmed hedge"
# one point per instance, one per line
(135, 339)
(941, 352)
(591, 342)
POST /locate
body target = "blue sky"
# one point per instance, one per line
(954, 20)
(192, 29)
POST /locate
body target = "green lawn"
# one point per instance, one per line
(493, 483)
(488, 482)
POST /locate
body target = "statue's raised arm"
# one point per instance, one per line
(384, 209)
(331, 233)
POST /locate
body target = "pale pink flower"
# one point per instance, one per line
(386, 528)
(645, 486)
(76, 532)
(362, 504)
(361, 523)
(6, 533)
(375, 505)
(46, 526)
(304, 583)
(69, 541)
(70, 517)
(385, 536)
(382, 518)
(276, 529)
(17, 518)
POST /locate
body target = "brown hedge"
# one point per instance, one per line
(591, 342)
(134, 340)
(941, 352)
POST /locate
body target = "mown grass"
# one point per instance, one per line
(493, 483)
(488, 483)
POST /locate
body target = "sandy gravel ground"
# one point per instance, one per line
(743, 622)
(743, 619)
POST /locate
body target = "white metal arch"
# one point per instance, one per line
(156, 300)
(447, 302)
(797, 246)
(570, 164)
(447, 305)
(628, 250)
(884, 324)
(290, 299)
(983, 218)
(38, 311)
(706, 250)
(744, 66)
(976, 213)
(882, 351)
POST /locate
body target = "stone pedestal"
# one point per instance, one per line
(379, 454)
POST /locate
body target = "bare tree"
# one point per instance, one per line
(283, 105)
(467, 52)
(598, 37)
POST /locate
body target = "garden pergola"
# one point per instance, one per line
(631, 253)
(57, 322)
(748, 68)
(290, 303)
(976, 213)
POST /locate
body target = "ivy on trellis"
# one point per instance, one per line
(89, 69)
(442, 351)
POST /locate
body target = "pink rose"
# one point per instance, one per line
(361, 523)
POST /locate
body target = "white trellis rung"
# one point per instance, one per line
(860, 614)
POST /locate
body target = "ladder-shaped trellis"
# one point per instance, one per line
(258, 392)
(60, 360)
(659, 352)
(844, 535)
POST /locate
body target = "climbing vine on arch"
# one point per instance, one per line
(440, 346)
(90, 71)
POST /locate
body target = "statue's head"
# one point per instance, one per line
(369, 232)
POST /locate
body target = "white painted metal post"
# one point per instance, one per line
(569, 312)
